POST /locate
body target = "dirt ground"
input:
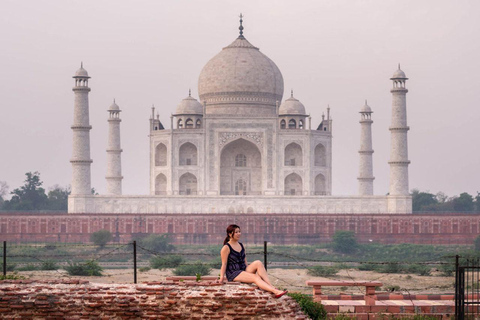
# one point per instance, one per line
(290, 279)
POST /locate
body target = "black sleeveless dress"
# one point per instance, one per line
(235, 263)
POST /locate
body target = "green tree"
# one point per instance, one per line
(423, 201)
(477, 202)
(30, 196)
(344, 241)
(3, 192)
(101, 238)
(476, 243)
(463, 203)
(157, 243)
(58, 198)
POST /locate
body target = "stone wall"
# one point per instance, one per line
(77, 299)
(240, 204)
(256, 228)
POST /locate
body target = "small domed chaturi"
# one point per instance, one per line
(81, 73)
(189, 105)
(114, 106)
(399, 74)
(366, 108)
(291, 106)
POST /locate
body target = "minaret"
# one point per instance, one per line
(365, 177)
(81, 183)
(399, 147)
(114, 152)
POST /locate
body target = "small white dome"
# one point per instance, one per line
(399, 74)
(291, 106)
(189, 105)
(81, 73)
(366, 108)
(114, 107)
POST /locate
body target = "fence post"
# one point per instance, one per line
(265, 254)
(4, 258)
(134, 261)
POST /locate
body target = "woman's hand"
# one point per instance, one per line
(223, 280)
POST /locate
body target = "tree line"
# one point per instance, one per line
(32, 196)
(424, 201)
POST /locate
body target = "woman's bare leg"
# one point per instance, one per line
(247, 277)
(258, 267)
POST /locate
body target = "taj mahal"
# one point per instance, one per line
(240, 148)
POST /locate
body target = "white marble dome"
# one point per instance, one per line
(399, 74)
(189, 105)
(366, 108)
(81, 73)
(114, 107)
(291, 106)
(240, 80)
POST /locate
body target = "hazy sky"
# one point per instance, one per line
(330, 52)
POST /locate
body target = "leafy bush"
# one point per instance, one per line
(322, 271)
(13, 276)
(157, 243)
(101, 238)
(392, 267)
(48, 265)
(192, 269)
(476, 243)
(28, 267)
(447, 270)
(344, 241)
(89, 268)
(216, 263)
(312, 309)
(368, 267)
(144, 269)
(167, 261)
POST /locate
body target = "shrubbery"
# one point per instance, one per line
(322, 271)
(167, 261)
(157, 243)
(312, 309)
(192, 269)
(101, 238)
(344, 241)
(89, 268)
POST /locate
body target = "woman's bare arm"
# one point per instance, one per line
(224, 255)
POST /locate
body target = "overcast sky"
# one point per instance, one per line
(335, 53)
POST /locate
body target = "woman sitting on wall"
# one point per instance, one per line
(236, 268)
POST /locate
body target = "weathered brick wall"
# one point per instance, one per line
(275, 228)
(76, 299)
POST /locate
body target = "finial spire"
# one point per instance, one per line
(81, 64)
(241, 27)
(113, 100)
(399, 66)
(189, 92)
(365, 101)
(291, 93)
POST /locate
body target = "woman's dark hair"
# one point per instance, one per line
(230, 229)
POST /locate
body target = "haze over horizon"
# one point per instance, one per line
(337, 53)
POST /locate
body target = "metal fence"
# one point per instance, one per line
(467, 288)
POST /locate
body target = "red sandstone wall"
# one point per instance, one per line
(275, 228)
(77, 299)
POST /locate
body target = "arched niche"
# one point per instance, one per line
(293, 185)
(160, 155)
(292, 124)
(188, 184)
(160, 185)
(187, 154)
(320, 155)
(320, 186)
(293, 155)
(249, 167)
